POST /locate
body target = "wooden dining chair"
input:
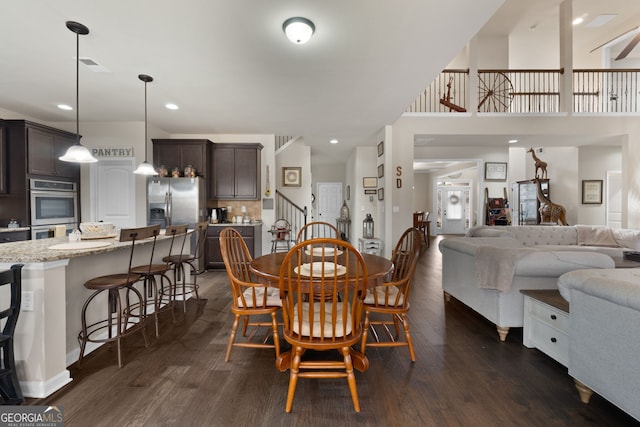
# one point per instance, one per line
(392, 297)
(317, 230)
(322, 291)
(249, 298)
(422, 224)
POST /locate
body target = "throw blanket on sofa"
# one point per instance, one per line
(496, 266)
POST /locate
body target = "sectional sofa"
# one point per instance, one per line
(487, 268)
(604, 327)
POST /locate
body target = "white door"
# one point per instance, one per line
(113, 192)
(454, 214)
(613, 200)
(329, 201)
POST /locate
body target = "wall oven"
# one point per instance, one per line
(52, 203)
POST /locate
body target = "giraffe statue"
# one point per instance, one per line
(549, 211)
(539, 164)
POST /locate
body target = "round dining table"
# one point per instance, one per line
(267, 268)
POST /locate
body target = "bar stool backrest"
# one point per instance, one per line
(201, 228)
(12, 278)
(176, 231)
(134, 235)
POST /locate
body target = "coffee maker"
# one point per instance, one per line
(220, 215)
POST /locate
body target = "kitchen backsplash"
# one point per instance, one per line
(254, 208)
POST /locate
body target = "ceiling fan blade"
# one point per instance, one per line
(629, 47)
(613, 39)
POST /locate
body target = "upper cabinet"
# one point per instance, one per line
(44, 150)
(42, 146)
(3, 160)
(180, 153)
(236, 172)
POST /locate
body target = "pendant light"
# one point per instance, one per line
(145, 167)
(77, 153)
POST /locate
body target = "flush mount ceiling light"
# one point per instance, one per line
(145, 167)
(333, 141)
(77, 153)
(298, 30)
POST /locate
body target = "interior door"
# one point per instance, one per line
(613, 200)
(454, 210)
(329, 201)
(115, 192)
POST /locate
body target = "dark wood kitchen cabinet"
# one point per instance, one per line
(3, 160)
(236, 172)
(180, 153)
(251, 233)
(42, 146)
(45, 148)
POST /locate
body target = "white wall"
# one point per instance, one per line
(595, 162)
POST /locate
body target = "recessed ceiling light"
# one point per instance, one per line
(513, 141)
(171, 106)
(334, 141)
(65, 107)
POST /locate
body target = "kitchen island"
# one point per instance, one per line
(53, 295)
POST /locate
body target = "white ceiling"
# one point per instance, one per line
(230, 68)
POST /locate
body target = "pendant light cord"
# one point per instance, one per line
(145, 121)
(77, 88)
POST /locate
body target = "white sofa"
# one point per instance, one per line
(604, 331)
(488, 267)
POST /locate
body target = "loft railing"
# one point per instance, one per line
(286, 209)
(532, 91)
(606, 91)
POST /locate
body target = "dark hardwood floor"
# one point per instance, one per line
(463, 376)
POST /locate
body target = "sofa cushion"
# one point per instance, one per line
(594, 235)
(621, 286)
(544, 235)
(627, 238)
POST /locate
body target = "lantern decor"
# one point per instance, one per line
(367, 227)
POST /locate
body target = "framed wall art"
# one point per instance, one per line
(380, 193)
(381, 148)
(591, 191)
(495, 171)
(291, 176)
(369, 182)
(348, 192)
(380, 171)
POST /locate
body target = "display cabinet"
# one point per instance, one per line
(527, 201)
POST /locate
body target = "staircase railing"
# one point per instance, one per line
(286, 209)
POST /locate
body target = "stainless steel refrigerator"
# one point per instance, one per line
(174, 201)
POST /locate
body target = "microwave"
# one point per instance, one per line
(53, 202)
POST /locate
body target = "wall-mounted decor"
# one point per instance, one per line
(496, 171)
(370, 191)
(380, 193)
(380, 171)
(381, 148)
(291, 176)
(591, 191)
(369, 182)
(348, 192)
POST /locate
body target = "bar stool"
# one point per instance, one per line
(178, 263)
(118, 322)
(152, 296)
(9, 385)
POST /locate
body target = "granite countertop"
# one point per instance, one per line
(38, 250)
(236, 224)
(8, 230)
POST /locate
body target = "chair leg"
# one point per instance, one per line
(365, 332)
(232, 337)
(407, 335)
(293, 378)
(276, 337)
(351, 378)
